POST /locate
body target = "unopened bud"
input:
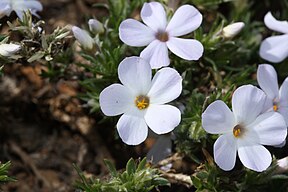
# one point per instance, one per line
(233, 29)
(8, 50)
(83, 38)
(95, 26)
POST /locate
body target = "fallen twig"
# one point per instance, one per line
(28, 161)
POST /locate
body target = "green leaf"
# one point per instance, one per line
(282, 176)
(36, 56)
(142, 164)
(111, 168)
(160, 181)
(131, 167)
(196, 182)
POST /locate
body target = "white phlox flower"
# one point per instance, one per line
(8, 50)
(142, 101)
(244, 130)
(83, 37)
(160, 35)
(233, 29)
(19, 6)
(277, 99)
(275, 49)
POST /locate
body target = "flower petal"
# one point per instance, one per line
(162, 118)
(21, 6)
(135, 73)
(157, 54)
(7, 50)
(233, 29)
(268, 129)
(255, 157)
(5, 9)
(284, 112)
(134, 33)
(185, 20)
(218, 118)
(166, 86)
(225, 152)
(283, 93)
(267, 80)
(83, 37)
(274, 49)
(273, 24)
(115, 100)
(132, 129)
(154, 15)
(188, 49)
(247, 103)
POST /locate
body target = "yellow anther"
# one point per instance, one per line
(275, 107)
(237, 131)
(142, 102)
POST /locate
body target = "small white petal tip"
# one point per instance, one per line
(233, 29)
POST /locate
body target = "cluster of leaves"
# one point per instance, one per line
(210, 178)
(138, 177)
(36, 45)
(4, 178)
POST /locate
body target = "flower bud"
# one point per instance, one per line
(83, 38)
(8, 50)
(95, 26)
(232, 30)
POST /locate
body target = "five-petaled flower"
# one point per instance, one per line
(159, 36)
(277, 99)
(142, 101)
(275, 49)
(244, 130)
(19, 6)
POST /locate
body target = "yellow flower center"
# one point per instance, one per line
(275, 107)
(238, 131)
(142, 102)
(162, 36)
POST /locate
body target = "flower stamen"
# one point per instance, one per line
(238, 131)
(162, 36)
(142, 102)
(275, 106)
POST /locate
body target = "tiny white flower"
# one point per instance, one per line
(277, 99)
(8, 50)
(95, 26)
(142, 101)
(83, 38)
(19, 6)
(233, 29)
(245, 130)
(275, 49)
(160, 35)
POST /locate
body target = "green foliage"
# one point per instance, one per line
(103, 63)
(190, 136)
(4, 178)
(36, 45)
(210, 178)
(138, 177)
